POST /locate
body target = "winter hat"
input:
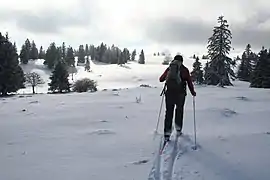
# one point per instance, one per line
(178, 58)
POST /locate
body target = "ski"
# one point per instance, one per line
(163, 147)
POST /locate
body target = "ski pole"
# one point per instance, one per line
(161, 105)
(195, 138)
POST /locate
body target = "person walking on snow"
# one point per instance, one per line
(177, 76)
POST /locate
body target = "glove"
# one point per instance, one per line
(193, 93)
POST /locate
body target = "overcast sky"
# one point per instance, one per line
(134, 23)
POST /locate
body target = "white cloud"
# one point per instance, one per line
(125, 22)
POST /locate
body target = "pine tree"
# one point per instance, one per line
(197, 73)
(63, 51)
(114, 55)
(220, 64)
(70, 61)
(59, 78)
(92, 52)
(24, 56)
(107, 57)
(133, 55)
(11, 74)
(87, 65)
(142, 58)
(51, 56)
(33, 79)
(15, 47)
(245, 68)
(207, 73)
(70, 58)
(81, 55)
(126, 55)
(87, 51)
(121, 59)
(25, 52)
(261, 75)
(41, 54)
(33, 51)
(100, 52)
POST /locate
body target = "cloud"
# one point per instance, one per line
(48, 21)
(147, 22)
(177, 30)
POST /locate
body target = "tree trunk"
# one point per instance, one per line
(4, 91)
(33, 88)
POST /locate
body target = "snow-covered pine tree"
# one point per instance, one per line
(11, 74)
(245, 68)
(220, 65)
(142, 58)
(59, 78)
(197, 73)
(261, 75)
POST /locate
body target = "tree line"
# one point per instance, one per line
(101, 53)
(219, 70)
(59, 59)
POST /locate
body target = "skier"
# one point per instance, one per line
(176, 77)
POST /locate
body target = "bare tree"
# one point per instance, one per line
(33, 79)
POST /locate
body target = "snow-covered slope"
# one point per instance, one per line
(109, 76)
(107, 135)
(110, 135)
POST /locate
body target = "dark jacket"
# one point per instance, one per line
(184, 75)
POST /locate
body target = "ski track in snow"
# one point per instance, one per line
(164, 165)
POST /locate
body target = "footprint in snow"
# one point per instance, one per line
(243, 98)
(103, 121)
(141, 162)
(33, 102)
(228, 112)
(102, 132)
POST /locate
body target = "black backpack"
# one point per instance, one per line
(174, 82)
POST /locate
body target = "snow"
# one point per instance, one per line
(109, 135)
(108, 76)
